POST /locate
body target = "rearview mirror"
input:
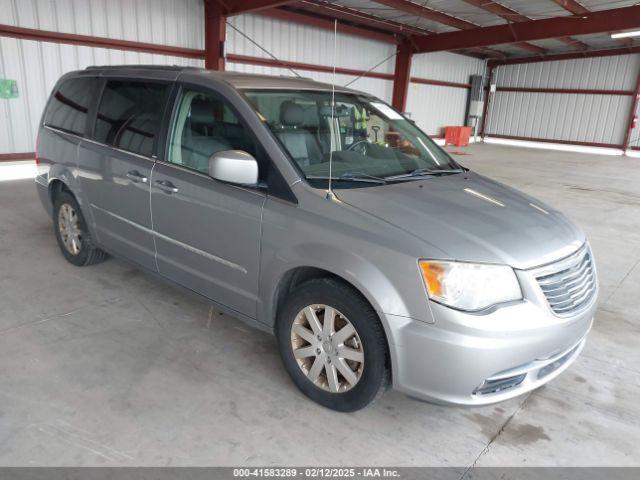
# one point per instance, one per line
(234, 166)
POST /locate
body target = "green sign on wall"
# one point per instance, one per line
(8, 88)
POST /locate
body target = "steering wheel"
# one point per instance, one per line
(361, 146)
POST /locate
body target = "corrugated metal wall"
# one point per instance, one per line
(634, 139)
(432, 106)
(37, 65)
(305, 44)
(164, 22)
(569, 117)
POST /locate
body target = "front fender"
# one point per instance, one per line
(370, 281)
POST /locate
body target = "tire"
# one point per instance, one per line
(82, 250)
(369, 377)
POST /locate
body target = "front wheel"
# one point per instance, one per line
(333, 345)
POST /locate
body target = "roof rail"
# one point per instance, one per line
(142, 67)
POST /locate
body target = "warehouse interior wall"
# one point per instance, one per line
(434, 107)
(36, 65)
(312, 45)
(586, 101)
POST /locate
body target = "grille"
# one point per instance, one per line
(569, 284)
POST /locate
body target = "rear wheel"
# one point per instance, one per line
(72, 234)
(333, 345)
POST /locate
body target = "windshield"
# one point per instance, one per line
(371, 142)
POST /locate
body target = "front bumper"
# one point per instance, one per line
(473, 359)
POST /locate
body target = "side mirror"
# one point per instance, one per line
(234, 166)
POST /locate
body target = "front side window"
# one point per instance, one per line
(69, 105)
(204, 124)
(366, 139)
(130, 114)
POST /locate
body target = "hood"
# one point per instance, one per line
(472, 218)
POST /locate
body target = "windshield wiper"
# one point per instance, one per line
(352, 177)
(422, 172)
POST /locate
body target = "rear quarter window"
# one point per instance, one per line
(69, 105)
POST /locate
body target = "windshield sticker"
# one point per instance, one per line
(387, 111)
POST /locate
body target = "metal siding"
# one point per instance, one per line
(374, 86)
(434, 107)
(634, 139)
(163, 22)
(37, 66)
(303, 43)
(568, 117)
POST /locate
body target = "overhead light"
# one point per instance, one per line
(634, 33)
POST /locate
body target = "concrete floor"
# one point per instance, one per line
(108, 366)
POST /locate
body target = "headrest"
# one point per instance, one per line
(202, 111)
(291, 114)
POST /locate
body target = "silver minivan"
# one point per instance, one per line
(326, 217)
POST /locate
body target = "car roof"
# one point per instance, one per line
(238, 80)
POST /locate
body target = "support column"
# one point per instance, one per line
(402, 76)
(214, 35)
(487, 97)
(632, 115)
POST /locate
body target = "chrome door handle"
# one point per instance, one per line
(166, 186)
(136, 177)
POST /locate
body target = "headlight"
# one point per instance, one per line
(469, 286)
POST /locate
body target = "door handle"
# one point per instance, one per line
(136, 177)
(166, 186)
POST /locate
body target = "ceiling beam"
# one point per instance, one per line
(236, 7)
(592, 22)
(445, 19)
(328, 24)
(356, 17)
(572, 6)
(512, 16)
(577, 9)
(609, 52)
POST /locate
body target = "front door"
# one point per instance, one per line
(116, 166)
(207, 232)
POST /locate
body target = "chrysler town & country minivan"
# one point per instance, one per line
(325, 217)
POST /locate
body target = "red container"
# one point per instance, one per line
(458, 136)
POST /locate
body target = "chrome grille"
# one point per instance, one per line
(569, 284)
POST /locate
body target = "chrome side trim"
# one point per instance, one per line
(186, 246)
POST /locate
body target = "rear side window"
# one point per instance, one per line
(130, 114)
(69, 105)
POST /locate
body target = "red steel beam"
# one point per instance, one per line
(10, 157)
(593, 22)
(402, 76)
(512, 16)
(270, 62)
(572, 6)
(568, 56)
(99, 42)
(214, 35)
(236, 7)
(445, 19)
(356, 17)
(574, 91)
(632, 114)
(561, 142)
(327, 24)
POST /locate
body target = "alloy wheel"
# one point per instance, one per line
(327, 348)
(69, 226)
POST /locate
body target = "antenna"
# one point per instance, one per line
(333, 106)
